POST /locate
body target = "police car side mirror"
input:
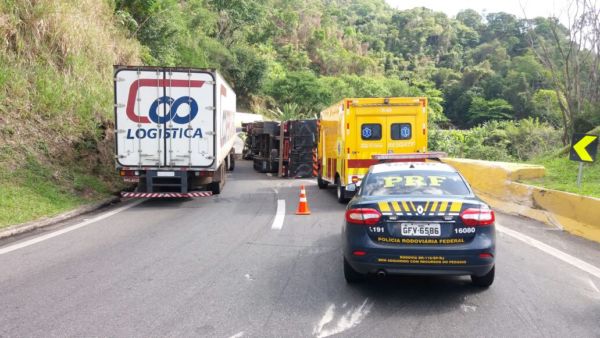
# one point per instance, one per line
(351, 187)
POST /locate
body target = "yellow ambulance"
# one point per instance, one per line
(356, 133)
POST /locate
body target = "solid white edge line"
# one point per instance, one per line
(42, 238)
(565, 257)
(279, 215)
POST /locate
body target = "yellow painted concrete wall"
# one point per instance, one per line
(494, 183)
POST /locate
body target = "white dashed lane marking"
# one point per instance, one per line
(279, 215)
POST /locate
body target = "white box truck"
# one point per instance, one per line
(175, 130)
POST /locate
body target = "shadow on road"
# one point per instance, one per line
(393, 295)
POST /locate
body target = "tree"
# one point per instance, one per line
(482, 110)
(302, 88)
(572, 56)
(546, 107)
(247, 72)
(289, 111)
(471, 19)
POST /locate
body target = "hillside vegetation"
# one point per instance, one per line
(56, 91)
(496, 84)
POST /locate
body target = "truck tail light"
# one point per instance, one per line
(366, 216)
(129, 173)
(478, 217)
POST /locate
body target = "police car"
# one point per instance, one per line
(418, 218)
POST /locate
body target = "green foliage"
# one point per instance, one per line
(546, 108)
(498, 140)
(56, 89)
(289, 111)
(302, 88)
(35, 191)
(247, 70)
(482, 110)
(473, 69)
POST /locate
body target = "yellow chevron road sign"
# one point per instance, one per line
(584, 148)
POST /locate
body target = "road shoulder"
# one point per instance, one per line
(23, 228)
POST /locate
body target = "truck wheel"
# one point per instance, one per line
(341, 191)
(322, 184)
(485, 280)
(231, 162)
(217, 187)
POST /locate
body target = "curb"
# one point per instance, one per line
(38, 224)
(495, 184)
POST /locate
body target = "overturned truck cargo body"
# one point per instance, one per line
(295, 141)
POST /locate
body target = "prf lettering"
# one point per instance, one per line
(413, 181)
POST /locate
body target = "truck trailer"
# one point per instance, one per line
(356, 133)
(175, 130)
(288, 148)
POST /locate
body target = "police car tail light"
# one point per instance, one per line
(478, 217)
(363, 216)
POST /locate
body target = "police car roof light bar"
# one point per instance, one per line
(410, 156)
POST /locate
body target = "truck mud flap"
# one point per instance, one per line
(166, 194)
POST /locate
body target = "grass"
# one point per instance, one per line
(35, 191)
(22, 203)
(561, 174)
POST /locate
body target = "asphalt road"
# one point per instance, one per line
(215, 267)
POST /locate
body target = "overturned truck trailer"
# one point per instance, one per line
(296, 141)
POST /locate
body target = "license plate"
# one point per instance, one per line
(132, 179)
(420, 229)
(165, 174)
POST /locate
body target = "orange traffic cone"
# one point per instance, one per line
(303, 205)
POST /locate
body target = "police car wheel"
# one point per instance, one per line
(351, 275)
(485, 280)
(322, 184)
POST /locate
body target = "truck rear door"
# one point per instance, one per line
(386, 128)
(138, 136)
(190, 136)
(164, 118)
(401, 129)
(407, 125)
(371, 132)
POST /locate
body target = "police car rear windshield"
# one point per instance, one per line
(413, 182)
